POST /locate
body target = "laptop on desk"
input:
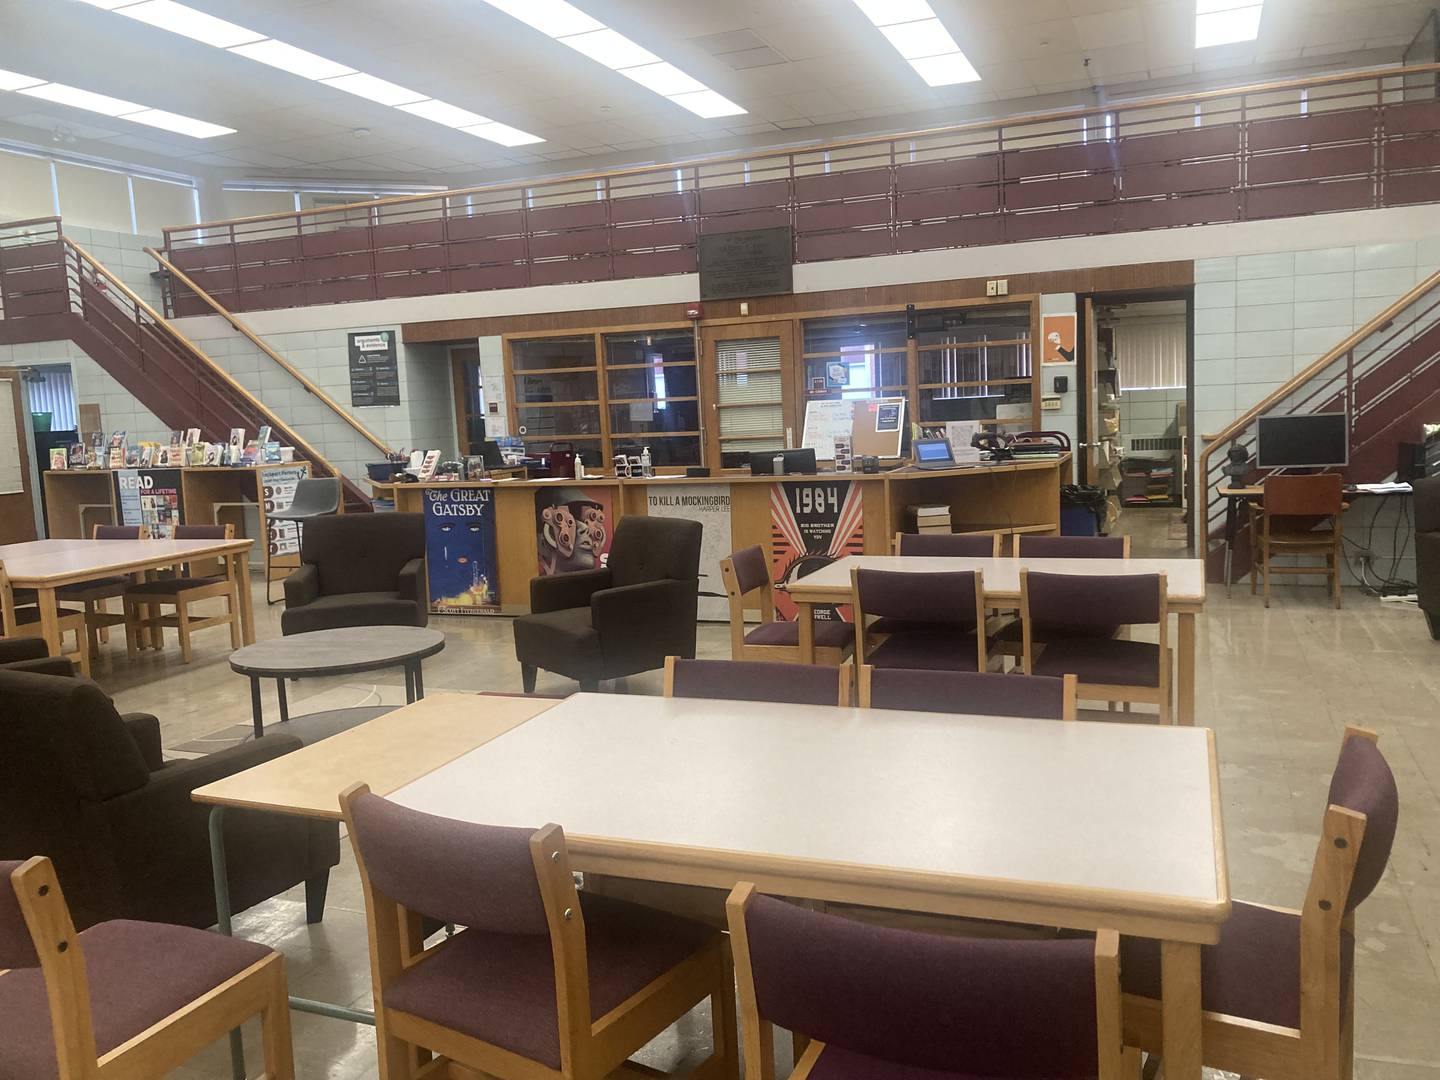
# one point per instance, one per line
(933, 454)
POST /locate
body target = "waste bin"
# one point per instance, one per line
(1082, 509)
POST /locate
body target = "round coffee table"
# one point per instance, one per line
(343, 651)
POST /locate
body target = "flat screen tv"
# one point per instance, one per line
(1314, 440)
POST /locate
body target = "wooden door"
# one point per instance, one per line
(749, 374)
(17, 506)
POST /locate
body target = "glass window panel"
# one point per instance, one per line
(652, 416)
(540, 353)
(648, 346)
(942, 326)
(589, 449)
(25, 189)
(158, 204)
(561, 386)
(664, 450)
(969, 363)
(972, 403)
(857, 373)
(659, 381)
(874, 332)
(559, 420)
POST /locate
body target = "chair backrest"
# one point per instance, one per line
(204, 532)
(749, 570)
(981, 1007)
(17, 947)
(1317, 495)
(1091, 602)
(63, 751)
(757, 680)
(655, 549)
(948, 598)
(481, 876)
(1363, 782)
(1427, 504)
(981, 693)
(1028, 545)
(949, 545)
(314, 496)
(355, 553)
(119, 532)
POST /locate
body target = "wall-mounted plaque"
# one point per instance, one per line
(756, 262)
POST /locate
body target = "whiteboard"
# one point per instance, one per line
(12, 482)
(823, 421)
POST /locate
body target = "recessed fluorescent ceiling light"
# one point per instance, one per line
(921, 39)
(181, 19)
(106, 105)
(1224, 22)
(368, 86)
(569, 25)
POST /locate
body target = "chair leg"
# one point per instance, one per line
(315, 889)
(1265, 562)
(92, 633)
(725, 1028)
(132, 629)
(275, 1037)
(527, 677)
(232, 606)
(1335, 576)
(182, 620)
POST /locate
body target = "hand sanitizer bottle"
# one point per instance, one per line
(645, 467)
(579, 466)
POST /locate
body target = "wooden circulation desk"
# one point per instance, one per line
(1014, 497)
(76, 500)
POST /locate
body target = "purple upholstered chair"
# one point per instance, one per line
(1032, 546)
(524, 987)
(1079, 608)
(937, 620)
(949, 545)
(979, 693)
(143, 601)
(746, 573)
(94, 593)
(879, 1003)
(757, 680)
(1278, 988)
(157, 990)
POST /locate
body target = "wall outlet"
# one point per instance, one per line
(1002, 287)
(992, 288)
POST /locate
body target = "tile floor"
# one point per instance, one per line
(1277, 686)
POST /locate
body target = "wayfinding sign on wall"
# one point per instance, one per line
(756, 262)
(374, 370)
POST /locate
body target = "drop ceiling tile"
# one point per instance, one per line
(1121, 27)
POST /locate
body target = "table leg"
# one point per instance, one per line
(805, 615)
(409, 685)
(241, 563)
(257, 708)
(1185, 676)
(1231, 523)
(49, 621)
(419, 682)
(1180, 1007)
(221, 878)
(284, 701)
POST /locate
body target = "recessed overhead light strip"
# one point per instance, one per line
(1225, 22)
(921, 39)
(569, 25)
(118, 108)
(220, 34)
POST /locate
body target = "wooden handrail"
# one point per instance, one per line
(310, 452)
(240, 326)
(1245, 419)
(1074, 113)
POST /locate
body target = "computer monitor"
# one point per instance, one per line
(490, 452)
(1313, 440)
(797, 462)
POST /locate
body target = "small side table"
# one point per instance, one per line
(343, 651)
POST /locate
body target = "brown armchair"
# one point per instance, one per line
(88, 787)
(31, 654)
(358, 570)
(590, 625)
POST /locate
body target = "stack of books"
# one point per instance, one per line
(931, 519)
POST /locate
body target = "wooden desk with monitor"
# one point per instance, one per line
(997, 818)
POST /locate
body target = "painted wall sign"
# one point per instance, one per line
(708, 504)
(573, 527)
(462, 562)
(150, 497)
(374, 369)
(813, 523)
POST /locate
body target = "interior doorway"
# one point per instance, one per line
(1137, 406)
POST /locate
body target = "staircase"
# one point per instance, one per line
(1385, 377)
(51, 289)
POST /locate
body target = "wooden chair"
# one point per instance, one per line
(1084, 609)
(124, 999)
(745, 574)
(869, 1001)
(981, 545)
(758, 680)
(144, 601)
(20, 618)
(1035, 546)
(95, 594)
(932, 621)
(1278, 990)
(979, 693)
(1299, 515)
(544, 981)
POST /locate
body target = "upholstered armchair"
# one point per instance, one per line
(358, 570)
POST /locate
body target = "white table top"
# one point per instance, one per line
(1119, 808)
(1184, 578)
(40, 562)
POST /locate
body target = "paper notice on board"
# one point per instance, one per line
(961, 433)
